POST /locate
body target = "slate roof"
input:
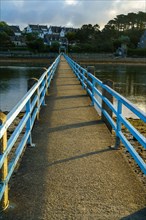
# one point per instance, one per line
(16, 29)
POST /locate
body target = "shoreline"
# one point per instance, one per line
(102, 60)
(26, 60)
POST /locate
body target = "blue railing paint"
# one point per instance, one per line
(34, 95)
(84, 76)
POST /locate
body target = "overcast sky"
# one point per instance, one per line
(72, 13)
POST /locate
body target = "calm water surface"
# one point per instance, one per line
(129, 81)
(13, 84)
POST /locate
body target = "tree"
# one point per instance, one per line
(71, 37)
(4, 27)
(5, 35)
(36, 45)
(55, 46)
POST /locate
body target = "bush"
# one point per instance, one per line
(139, 52)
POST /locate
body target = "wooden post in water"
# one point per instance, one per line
(91, 69)
(105, 107)
(4, 170)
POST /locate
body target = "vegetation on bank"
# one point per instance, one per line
(124, 29)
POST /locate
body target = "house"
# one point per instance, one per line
(18, 41)
(142, 42)
(31, 29)
(16, 30)
(62, 31)
(51, 38)
(51, 34)
(57, 33)
(41, 30)
(55, 30)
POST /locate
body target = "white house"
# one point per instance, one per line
(41, 30)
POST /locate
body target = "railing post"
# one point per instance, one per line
(47, 85)
(83, 81)
(28, 124)
(52, 72)
(91, 69)
(105, 107)
(46, 81)
(43, 93)
(93, 85)
(30, 83)
(4, 170)
(119, 111)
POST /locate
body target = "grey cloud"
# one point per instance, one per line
(57, 12)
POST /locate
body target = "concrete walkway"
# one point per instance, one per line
(73, 174)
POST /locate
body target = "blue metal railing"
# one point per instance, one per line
(32, 101)
(92, 84)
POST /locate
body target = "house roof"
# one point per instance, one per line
(16, 29)
(37, 27)
(43, 26)
(55, 29)
(34, 27)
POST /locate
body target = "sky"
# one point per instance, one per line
(69, 13)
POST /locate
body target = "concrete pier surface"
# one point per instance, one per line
(73, 173)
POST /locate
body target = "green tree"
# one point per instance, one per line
(55, 46)
(4, 27)
(71, 37)
(5, 35)
(36, 45)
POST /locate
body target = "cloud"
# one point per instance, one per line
(71, 2)
(66, 12)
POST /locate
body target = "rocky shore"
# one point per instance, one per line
(141, 127)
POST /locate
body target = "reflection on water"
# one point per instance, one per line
(129, 81)
(13, 84)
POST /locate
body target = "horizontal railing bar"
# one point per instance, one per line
(13, 138)
(133, 131)
(109, 119)
(34, 116)
(97, 103)
(127, 103)
(34, 102)
(13, 163)
(133, 152)
(98, 92)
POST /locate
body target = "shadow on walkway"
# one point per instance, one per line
(139, 215)
(80, 156)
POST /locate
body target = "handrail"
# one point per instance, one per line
(91, 84)
(32, 102)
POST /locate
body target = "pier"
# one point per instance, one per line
(73, 172)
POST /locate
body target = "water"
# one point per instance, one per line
(129, 81)
(13, 84)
